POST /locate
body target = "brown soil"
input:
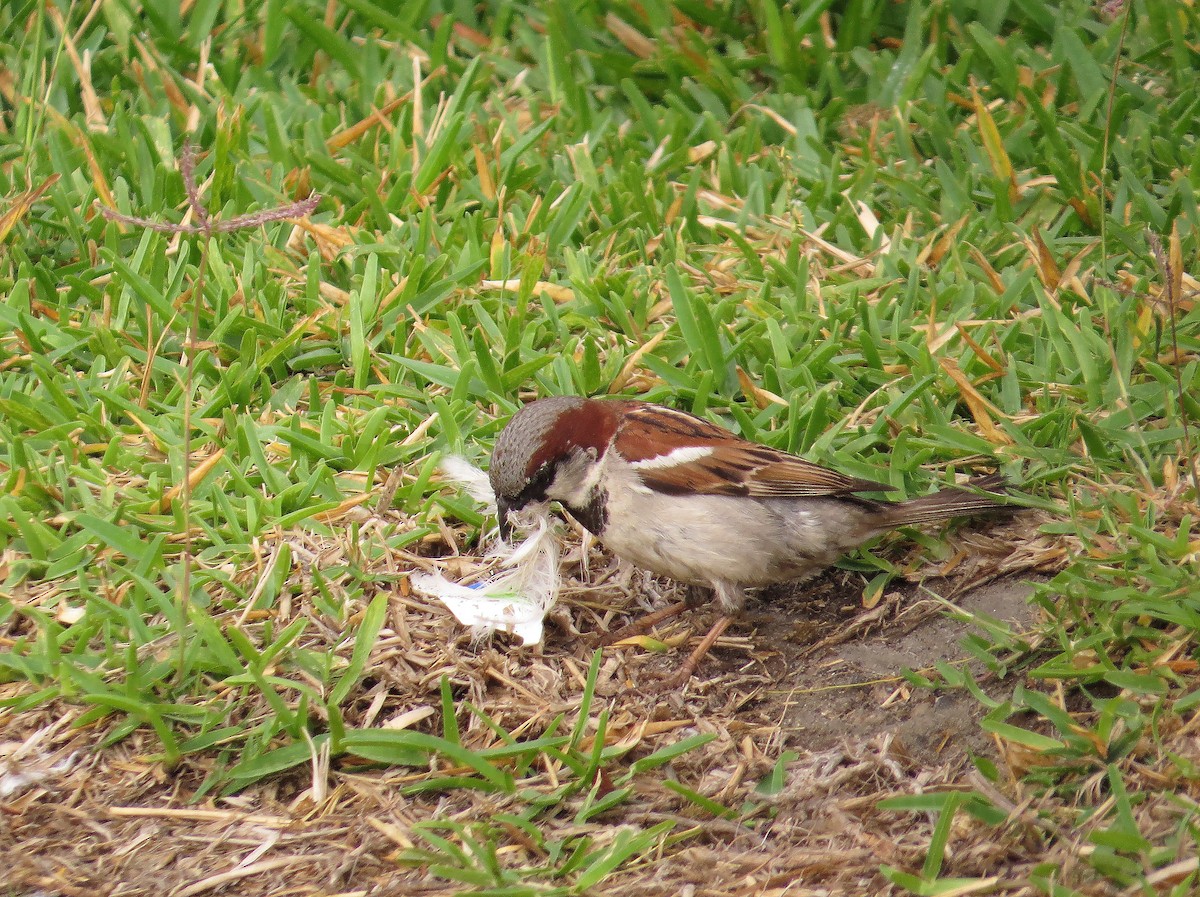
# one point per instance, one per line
(852, 689)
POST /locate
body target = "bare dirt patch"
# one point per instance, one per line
(852, 689)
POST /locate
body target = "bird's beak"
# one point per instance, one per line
(502, 509)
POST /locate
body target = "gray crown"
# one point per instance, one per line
(520, 439)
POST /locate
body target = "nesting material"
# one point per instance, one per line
(524, 584)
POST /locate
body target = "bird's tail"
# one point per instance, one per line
(952, 503)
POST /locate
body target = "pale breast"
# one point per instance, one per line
(707, 539)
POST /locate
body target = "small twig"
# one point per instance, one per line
(187, 168)
(207, 226)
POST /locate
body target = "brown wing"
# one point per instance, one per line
(732, 466)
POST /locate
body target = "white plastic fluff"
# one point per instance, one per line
(517, 597)
(474, 482)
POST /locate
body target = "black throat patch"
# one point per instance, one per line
(594, 514)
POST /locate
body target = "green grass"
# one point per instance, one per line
(530, 199)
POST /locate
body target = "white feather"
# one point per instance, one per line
(474, 482)
(518, 595)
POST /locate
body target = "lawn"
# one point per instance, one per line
(263, 266)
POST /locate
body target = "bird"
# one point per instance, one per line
(686, 499)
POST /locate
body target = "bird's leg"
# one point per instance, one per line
(688, 667)
(729, 598)
(644, 624)
(697, 596)
(693, 596)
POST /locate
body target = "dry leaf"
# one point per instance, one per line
(981, 409)
(22, 204)
(937, 251)
(1047, 268)
(632, 39)
(993, 145)
(555, 291)
(756, 394)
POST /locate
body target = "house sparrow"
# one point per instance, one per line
(686, 499)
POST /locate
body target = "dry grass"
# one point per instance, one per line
(77, 820)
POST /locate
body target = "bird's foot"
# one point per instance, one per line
(687, 669)
(644, 624)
